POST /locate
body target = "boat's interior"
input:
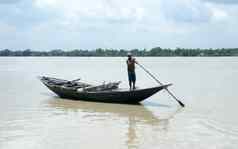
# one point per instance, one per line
(78, 85)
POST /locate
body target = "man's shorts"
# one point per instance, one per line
(132, 76)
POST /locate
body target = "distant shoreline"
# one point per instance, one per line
(154, 52)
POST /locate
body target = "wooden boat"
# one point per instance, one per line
(110, 92)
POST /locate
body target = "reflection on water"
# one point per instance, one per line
(139, 112)
(135, 116)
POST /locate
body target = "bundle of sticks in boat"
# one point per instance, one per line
(103, 87)
(80, 86)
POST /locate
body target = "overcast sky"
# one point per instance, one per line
(90, 24)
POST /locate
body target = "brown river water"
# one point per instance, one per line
(32, 117)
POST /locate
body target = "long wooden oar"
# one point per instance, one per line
(161, 84)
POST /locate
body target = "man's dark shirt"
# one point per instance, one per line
(131, 65)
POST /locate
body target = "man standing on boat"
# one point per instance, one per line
(131, 70)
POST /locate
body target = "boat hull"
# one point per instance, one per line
(110, 96)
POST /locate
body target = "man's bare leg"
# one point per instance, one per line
(130, 85)
(134, 87)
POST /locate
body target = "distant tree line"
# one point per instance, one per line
(157, 51)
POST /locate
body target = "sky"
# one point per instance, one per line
(118, 24)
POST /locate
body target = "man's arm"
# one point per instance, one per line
(135, 61)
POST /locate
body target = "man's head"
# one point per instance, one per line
(129, 55)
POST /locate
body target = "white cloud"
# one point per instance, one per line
(219, 14)
(49, 24)
(99, 10)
